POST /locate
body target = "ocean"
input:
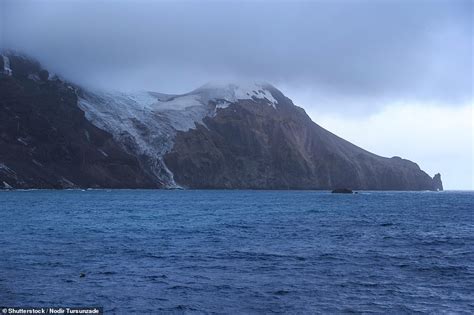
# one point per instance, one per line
(251, 252)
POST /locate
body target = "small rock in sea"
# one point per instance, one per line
(82, 275)
(342, 191)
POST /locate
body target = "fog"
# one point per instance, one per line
(344, 59)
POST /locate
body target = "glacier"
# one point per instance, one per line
(146, 123)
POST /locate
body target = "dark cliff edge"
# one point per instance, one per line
(251, 145)
(46, 142)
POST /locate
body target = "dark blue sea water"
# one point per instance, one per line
(238, 251)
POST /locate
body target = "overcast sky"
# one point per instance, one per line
(390, 76)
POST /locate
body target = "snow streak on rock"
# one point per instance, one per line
(6, 65)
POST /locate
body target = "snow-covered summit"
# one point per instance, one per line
(213, 93)
(232, 92)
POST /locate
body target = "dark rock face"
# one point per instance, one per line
(23, 66)
(43, 75)
(253, 145)
(46, 142)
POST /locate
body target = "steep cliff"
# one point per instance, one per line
(259, 144)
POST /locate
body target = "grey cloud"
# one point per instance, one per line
(410, 50)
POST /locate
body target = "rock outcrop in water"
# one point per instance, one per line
(438, 184)
(56, 135)
(342, 191)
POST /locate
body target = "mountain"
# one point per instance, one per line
(55, 134)
(46, 141)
